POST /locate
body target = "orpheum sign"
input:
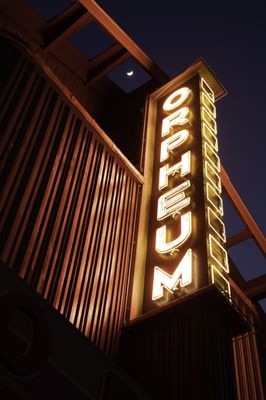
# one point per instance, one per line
(186, 239)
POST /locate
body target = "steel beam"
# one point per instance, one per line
(243, 211)
(110, 26)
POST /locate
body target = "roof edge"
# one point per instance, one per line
(200, 67)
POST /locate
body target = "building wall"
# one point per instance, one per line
(247, 367)
(248, 351)
(68, 204)
(69, 208)
(44, 357)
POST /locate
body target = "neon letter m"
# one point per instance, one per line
(182, 274)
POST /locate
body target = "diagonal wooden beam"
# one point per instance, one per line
(105, 62)
(256, 288)
(243, 211)
(240, 292)
(66, 24)
(110, 26)
(238, 238)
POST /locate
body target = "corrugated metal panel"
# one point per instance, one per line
(183, 351)
(246, 356)
(248, 376)
(68, 206)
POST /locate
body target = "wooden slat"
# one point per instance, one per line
(247, 367)
(69, 209)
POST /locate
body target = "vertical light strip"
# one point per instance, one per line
(217, 254)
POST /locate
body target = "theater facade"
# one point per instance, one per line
(115, 276)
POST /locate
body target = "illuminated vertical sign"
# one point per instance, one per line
(174, 201)
(186, 232)
(217, 254)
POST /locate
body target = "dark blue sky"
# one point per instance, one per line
(231, 37)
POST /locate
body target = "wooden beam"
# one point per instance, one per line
(243, 211)
(242, 295)
(238, 238)
(256, 288)
(110, 26)
(65, 24)
(105, 62)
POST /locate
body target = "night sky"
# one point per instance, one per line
(231, 37)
